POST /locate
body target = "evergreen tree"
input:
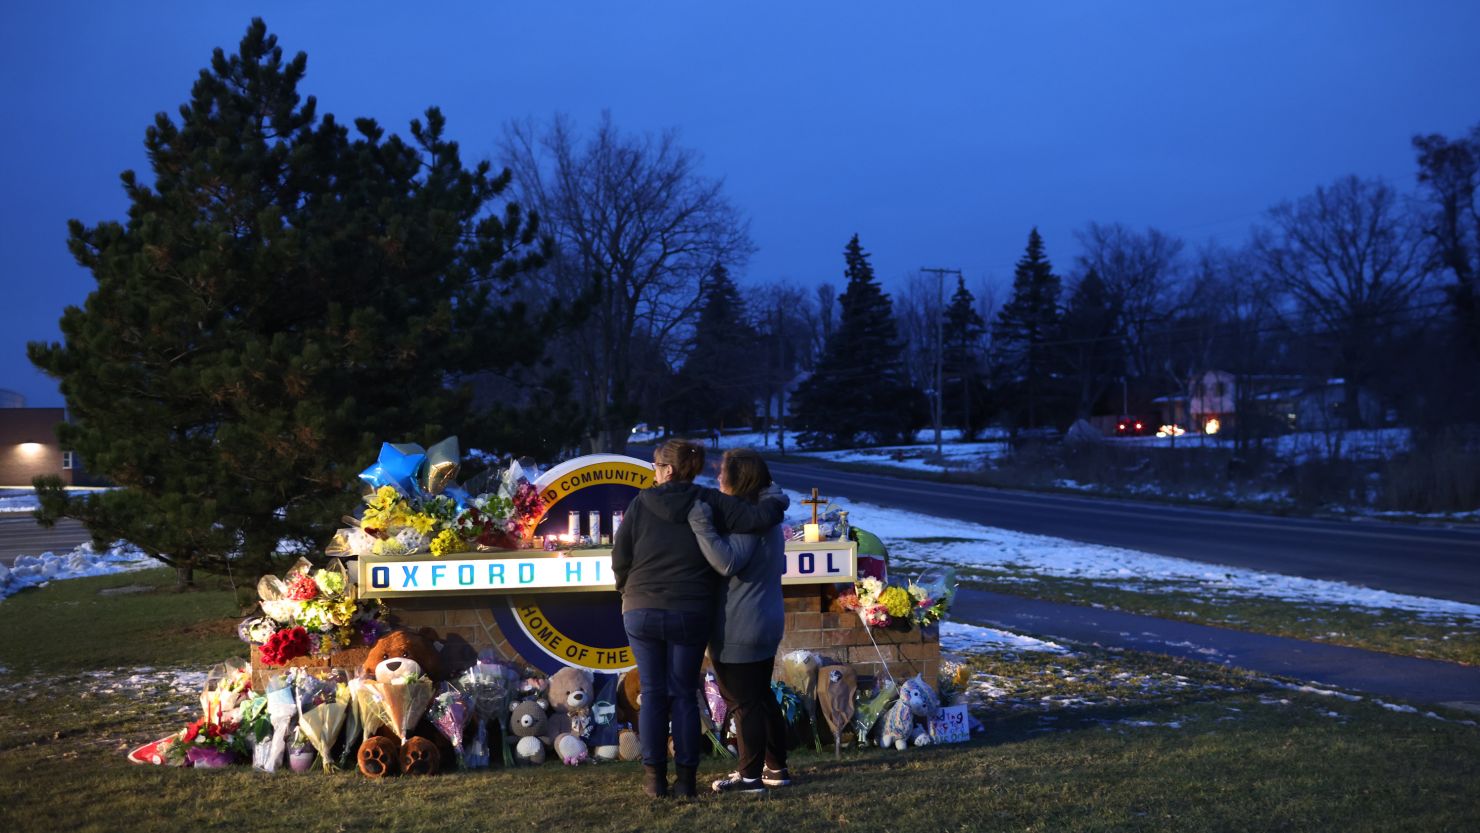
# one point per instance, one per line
(720, 378)
(279, 301)
(858, 389)
(1021, 357)
(963, 392)
(1088, 343)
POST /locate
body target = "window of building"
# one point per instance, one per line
(68, 460)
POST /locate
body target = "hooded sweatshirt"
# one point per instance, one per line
(656, 557)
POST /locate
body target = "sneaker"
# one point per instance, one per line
(733, 783)
(775, 777)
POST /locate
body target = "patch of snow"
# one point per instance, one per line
(1039, 555)
(37, 570)
(962, 638)
(19, 503)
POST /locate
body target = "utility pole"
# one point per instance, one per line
(940, 318)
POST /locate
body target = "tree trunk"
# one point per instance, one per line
(184, 575)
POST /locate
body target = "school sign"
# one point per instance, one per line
(560, 607)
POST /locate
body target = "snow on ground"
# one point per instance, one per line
(960, 638)
(1029, 555)
(37, 570)
(19, 501)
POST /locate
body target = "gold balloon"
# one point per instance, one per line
(440, 469)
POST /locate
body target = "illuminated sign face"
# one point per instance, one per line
(824, 563)
(403, 576)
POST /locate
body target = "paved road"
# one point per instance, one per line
(1425, 681)
(1426, 561)
(21, 535)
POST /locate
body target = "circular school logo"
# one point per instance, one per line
(584, 497)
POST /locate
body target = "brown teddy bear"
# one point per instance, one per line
(396, 653)
(572, 694)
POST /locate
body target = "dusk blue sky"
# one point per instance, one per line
(938, 132)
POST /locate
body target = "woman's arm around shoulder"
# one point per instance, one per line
(735, 515)
(727, 554)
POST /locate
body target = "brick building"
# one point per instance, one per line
(29, 447)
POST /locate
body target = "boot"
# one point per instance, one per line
(655, 780)
(686, 784)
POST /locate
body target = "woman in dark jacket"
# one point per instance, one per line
(668, 591)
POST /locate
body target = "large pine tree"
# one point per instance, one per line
(281, 298)
(1021, 356)
(859, 389)
(721, 376)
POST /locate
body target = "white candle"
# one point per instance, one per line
(812, 533)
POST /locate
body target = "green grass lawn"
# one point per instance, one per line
(1085, 742)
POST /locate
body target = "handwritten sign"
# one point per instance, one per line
(951, 726)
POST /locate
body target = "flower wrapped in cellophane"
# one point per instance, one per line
(489, 687)
(282, 715)
(227, 685)
(322, 706)
(401, 701)
(449, 712)
(799, 672)
(932, 594)
(870, 707)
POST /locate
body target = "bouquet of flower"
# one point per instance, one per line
(932, 594)
(415, 506)
(285, 646)
(489, 687)
(401, 702)
(227, 685)
(282, 712)
(799, 671)
(308, 612)
(871, 707)
(449, 712)
(204, 744)
(954, 678)
(882, 605)
(366, 708)
(322, 705)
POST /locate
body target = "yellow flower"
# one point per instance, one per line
(897, 601)
(446, 542)
(422, 523)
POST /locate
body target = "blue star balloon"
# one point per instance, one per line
(396, 466)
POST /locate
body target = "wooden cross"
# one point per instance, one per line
(815, 502)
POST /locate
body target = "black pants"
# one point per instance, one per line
(746, 687)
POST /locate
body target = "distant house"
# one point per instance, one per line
(29, 447)
(1278, 403)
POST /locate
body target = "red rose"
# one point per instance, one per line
(285, 646)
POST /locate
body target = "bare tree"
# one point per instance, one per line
(1141, 271)
(1352, 260)
(783, 315)
(917, 312)
(635, 221)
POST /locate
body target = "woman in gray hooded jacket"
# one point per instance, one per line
(749, 619)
